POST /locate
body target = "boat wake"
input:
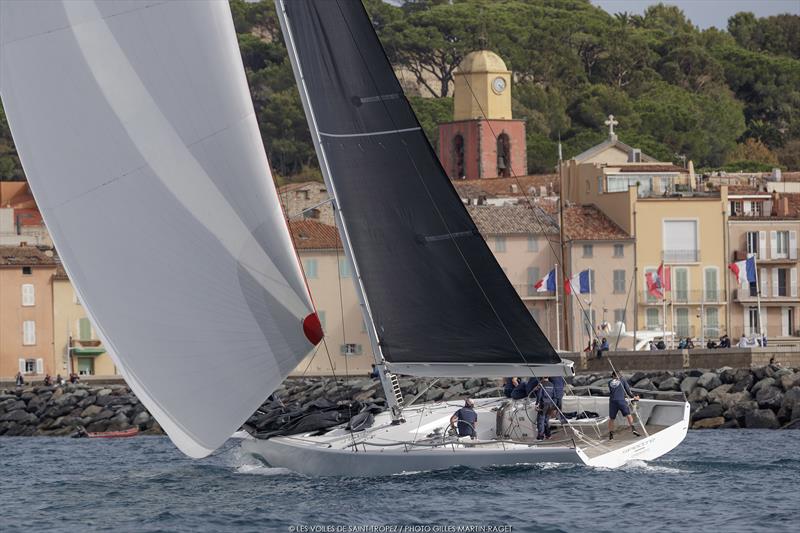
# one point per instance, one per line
(262, 470)
(638, 465)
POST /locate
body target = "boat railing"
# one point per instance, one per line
(589, 390)
(410, 445)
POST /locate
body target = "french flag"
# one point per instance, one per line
(745, 271)
(578, 283)
(547, 283)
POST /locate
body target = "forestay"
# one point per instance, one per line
(435, 290)
(137, 133)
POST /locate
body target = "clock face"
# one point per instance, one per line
(498, 85)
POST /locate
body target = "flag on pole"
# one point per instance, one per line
(664, 277)
(653, 286)
(547, 283)
(578, 283)
(745, 271)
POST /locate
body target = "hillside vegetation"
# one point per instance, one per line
(723, 98)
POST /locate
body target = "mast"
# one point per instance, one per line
(558, 319)
(386, 380)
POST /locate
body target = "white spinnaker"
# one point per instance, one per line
(137, 133)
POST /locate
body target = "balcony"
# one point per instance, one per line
(745, 296)
(680, 256)
(527, 291)
(790, 257)
(681, 297)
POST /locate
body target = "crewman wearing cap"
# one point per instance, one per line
(466, 420)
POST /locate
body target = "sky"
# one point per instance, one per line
(707, 13)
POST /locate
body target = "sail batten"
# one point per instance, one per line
(138, 136)
(435, 293)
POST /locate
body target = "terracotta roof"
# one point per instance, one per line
(16, 194)
(790, 176)
(745, 189)
(520, 186)
(313, 235)
(60, 273)
(512, 220)
(612, 141)
(794, 203)
(667, 167)
(588, 223)
(24, 256)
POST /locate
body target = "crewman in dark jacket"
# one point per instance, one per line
(545, 404)
(530, 386)
(559, 384)
(520, 392)
(617, 402)
(508, 386)
(466, 420)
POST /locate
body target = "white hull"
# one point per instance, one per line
(385, 449)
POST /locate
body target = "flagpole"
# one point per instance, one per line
(558, 320)
(591, 322)
(758, 297)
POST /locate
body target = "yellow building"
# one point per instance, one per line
(77, 348)
(26, 318)
(672, 220)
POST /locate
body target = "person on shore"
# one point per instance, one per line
(466, 420)
(744, 342)
(660, 345)
(374, 373)
(508, 386)
(619, 390)
(724, 342)
(689, 344)
(48, 381)
(59, 380)
(603, 348)
(711, 344)
(19, 380)
(545, 404)
(73, 378)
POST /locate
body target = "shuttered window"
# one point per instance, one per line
(711, 282)
(712, 322)
(311, 267)
(85, 329)
(619, 281)
(533, 243)
(682, 322)
(28, 295)
(533, 277)
(344, 267)
(499, 244)
(681, 287)
(652, 319)
(28, 333)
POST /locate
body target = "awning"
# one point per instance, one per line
(88, 352)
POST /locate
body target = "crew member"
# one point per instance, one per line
(545, 395)
(618, 388)
(558, 394)
(466, 420)
(509, 384)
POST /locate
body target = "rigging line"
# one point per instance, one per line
(422, 180)
(525, 194)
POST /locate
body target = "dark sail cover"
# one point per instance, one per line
(436, 292)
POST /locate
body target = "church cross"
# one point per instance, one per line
(611, 123)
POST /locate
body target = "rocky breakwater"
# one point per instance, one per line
(766, 397)
(58, 411)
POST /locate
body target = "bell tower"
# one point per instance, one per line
(484, 140)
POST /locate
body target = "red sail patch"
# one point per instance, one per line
(312, 328)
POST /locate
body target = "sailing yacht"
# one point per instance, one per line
(137, 133)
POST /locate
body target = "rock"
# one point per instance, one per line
(91, 411)
(712, 410)
(709, 381)
(20, 417)
(730, 399)
(456, 391)
(739, 411)
(714, 395)
(789, 381)
(671, 383)
(794, 424)
(644, 384)
(765, 382)
(694, 373)
(141, 419)
(769, 398)
(727, 375)
(743, 384)
(699, 394)
(730, 424)
(109, 400)
(97, 425)
(761, 419)
(103, 392)
(11, 405)
(709, 423)
(637, 376)
(762, 372)
(688, 384)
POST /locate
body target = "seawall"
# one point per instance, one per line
(759, 397)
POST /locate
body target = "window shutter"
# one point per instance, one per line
(40, 366)
(22, 366)
(774, 282)
(773, 242)
(762, 245)
(792, 245)
(763, 318)
(29, 333)
(28, 297)
(785, 321)
(762, 278)
(747, 207)
(794, 282)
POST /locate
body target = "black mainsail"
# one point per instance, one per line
(436, 293)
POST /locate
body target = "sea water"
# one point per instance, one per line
(716, 480)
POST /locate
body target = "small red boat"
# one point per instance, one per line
(108, 434)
